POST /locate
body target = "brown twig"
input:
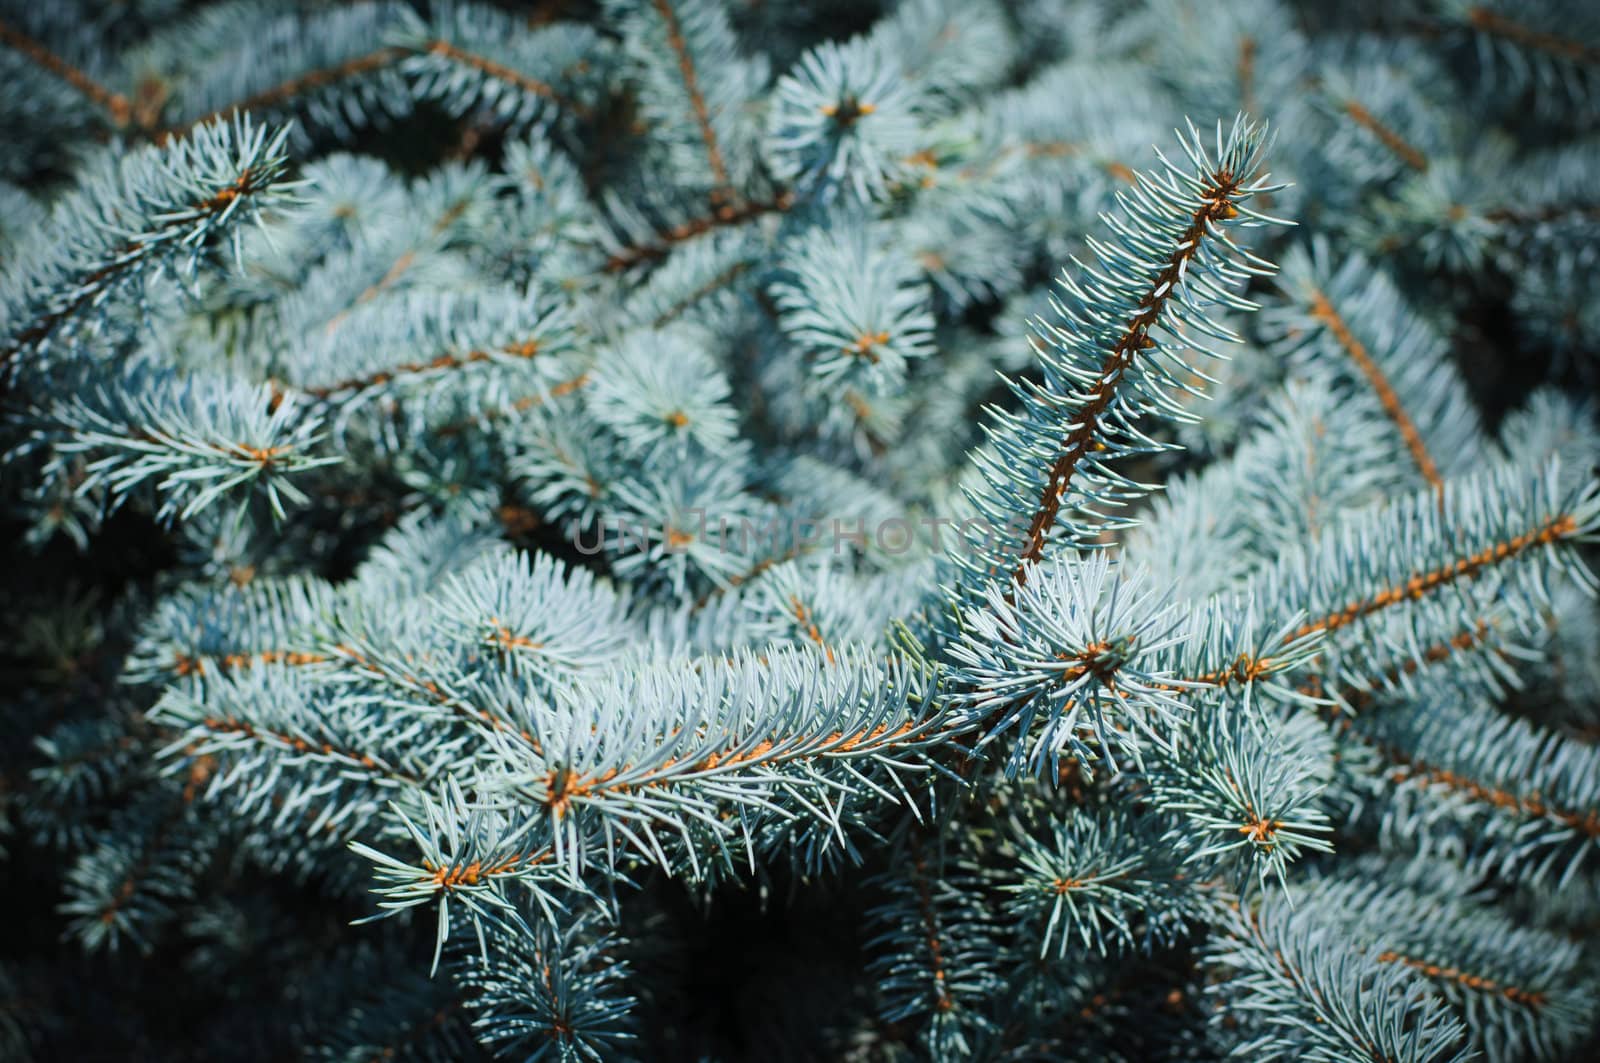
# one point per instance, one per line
(1216, 205)
(115, 104)
(697, 102)
(1324, 312)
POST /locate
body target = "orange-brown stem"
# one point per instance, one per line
(115, 104)
(1216, 205)
(1397, 145)
(522, 405)
(296, 86)
(220, 725)
(1553, 530)
(1439, 972)
(932, 937)
(444, 362)
(697, 101)
(1496, 25)
(1408, 768)
(123, 259)
(722, 217)
(1324, 312)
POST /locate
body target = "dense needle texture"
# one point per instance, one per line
(864, 530)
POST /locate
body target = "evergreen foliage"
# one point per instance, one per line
(691, 529)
